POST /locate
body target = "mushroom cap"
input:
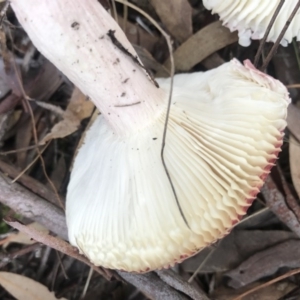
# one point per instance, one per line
(225, 132)
(252, 17)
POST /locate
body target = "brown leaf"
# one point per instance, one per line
(138, 36)
(293, 121)
(78, 109)
(266, 263)
(235, 248)
(44, 84)
(55, 243)
(205, 42)
(24, 288)
(91, 121)
(58, 174)
(295, 163)
(21, 237)
(30, 183)
(24, 137)
(275, 291)
(176, 15)
(147, 59)
(276, 201)
(287, 68)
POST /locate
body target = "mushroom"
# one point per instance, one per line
(224, 134)
(252, 17)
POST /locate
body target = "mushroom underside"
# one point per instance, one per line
(225, 132)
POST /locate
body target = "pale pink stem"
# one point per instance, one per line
(72, 34)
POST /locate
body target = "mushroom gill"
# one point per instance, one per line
(225, 132)
(252, 17)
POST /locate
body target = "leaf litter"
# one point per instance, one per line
(260, 249)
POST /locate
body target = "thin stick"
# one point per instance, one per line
(125, 17)
(86, 286)
(288, 274)
(30, 164)
(168, 40)
(293, 86)
(35, 136)
(20, 150)
(54, 243)
(276, 44)
(3, 13)
(208, 256)
(115, 11)
(164, 141)
(252, 216)
(263, 41)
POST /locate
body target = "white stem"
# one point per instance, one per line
(73, 35)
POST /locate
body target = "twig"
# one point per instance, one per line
(35, 136)
(3, 13)
(276, 202)
(61, 265)
(29, 182)
(290, 199)
(114, 9)
(136, 60)
(288, 274)
(175, 281)
(169, 43)
(293, 86)
(19, 150)
(125, 17)
(54, 243)
(276, 44)
(21, 173)
(208, 256)
(43, 263)
(5, 259)
(32, 206)
(87, 283)
(270, 25)
(153, 287)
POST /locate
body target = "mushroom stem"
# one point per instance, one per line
(82, 40)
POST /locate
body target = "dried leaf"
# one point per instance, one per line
(59, 172)
(176, 15)
(266, 263)
(79, 106)
(55, 243)
(24, 288)
(202, 44)
(287, 68)
(24, 137)
(277, 203)
(275, 291)
(139, 36)
(213, 61)
(147, 59)
(295, 163)
(91, 121)
(78, 109)
(293, 121)
(21, 237)
(45, 83)
(236, 248)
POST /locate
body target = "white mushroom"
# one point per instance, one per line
(224, 134)
(251, 18)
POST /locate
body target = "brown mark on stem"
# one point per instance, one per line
(125, 105)
(111, 34)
